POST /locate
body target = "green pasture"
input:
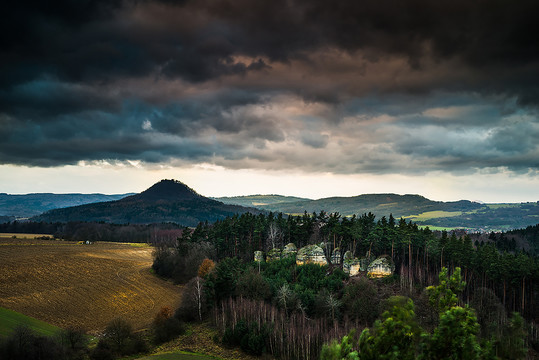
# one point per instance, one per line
(433, 215)
(499, 206)
(10, 319)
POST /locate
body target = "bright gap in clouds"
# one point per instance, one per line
(213, 181)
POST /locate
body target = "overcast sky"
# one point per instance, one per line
(297, 97)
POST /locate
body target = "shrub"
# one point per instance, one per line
(251, 338)
(361, 301)
(24, 343)
(102, 351)
(252, 285)
(205, 268)
(118, 332)
(233, 335)
(168, 330)
(74, 342)
(165, 327)
(119, 339)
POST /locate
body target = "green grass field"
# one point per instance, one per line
(433, 214)
(177, 356)
(9, 320)
(499, 206)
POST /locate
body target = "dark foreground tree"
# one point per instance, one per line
(397, 336)
(25, 344)
(118, 340)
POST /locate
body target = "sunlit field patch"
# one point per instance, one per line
(433, 214)
(68, 284)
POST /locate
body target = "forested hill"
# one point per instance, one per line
(173, 201)
(270, 202)
(383, 204)
(166, 201)
(20, 206)
(463, 214)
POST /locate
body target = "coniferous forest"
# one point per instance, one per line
(291, 310)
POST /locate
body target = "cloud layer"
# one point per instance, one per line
(347, 87)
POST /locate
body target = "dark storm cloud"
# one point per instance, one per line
(193, 130)
(46, 98)
(32, 32)
(520, 138)
(375, 85)
(196, 39)
(510, 144)
(90, 138)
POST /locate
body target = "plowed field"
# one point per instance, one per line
(69, 284)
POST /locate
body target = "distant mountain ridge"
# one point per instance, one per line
(259, 200)
(22, 206)
(173, 201)
(463, 214)
(165, 201)
(379, 204)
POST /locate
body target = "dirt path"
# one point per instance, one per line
(67, 284)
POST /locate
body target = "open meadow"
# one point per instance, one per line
(70, 284)
(9, 320)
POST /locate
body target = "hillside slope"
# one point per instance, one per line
(166, 201)
(379, 204)
(21, 206)
(70, 285)
(259, 200)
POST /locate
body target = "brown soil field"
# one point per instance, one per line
(69, 284)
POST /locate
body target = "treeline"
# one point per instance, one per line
(92, 231)
(25, 344)
(530, 234)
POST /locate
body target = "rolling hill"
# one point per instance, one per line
(23, 206)
(260, 201)
(172, 201)
(166, 201)
(379, 204)
(461, 214)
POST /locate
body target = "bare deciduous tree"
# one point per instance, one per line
(274, 235)
(198, 293)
